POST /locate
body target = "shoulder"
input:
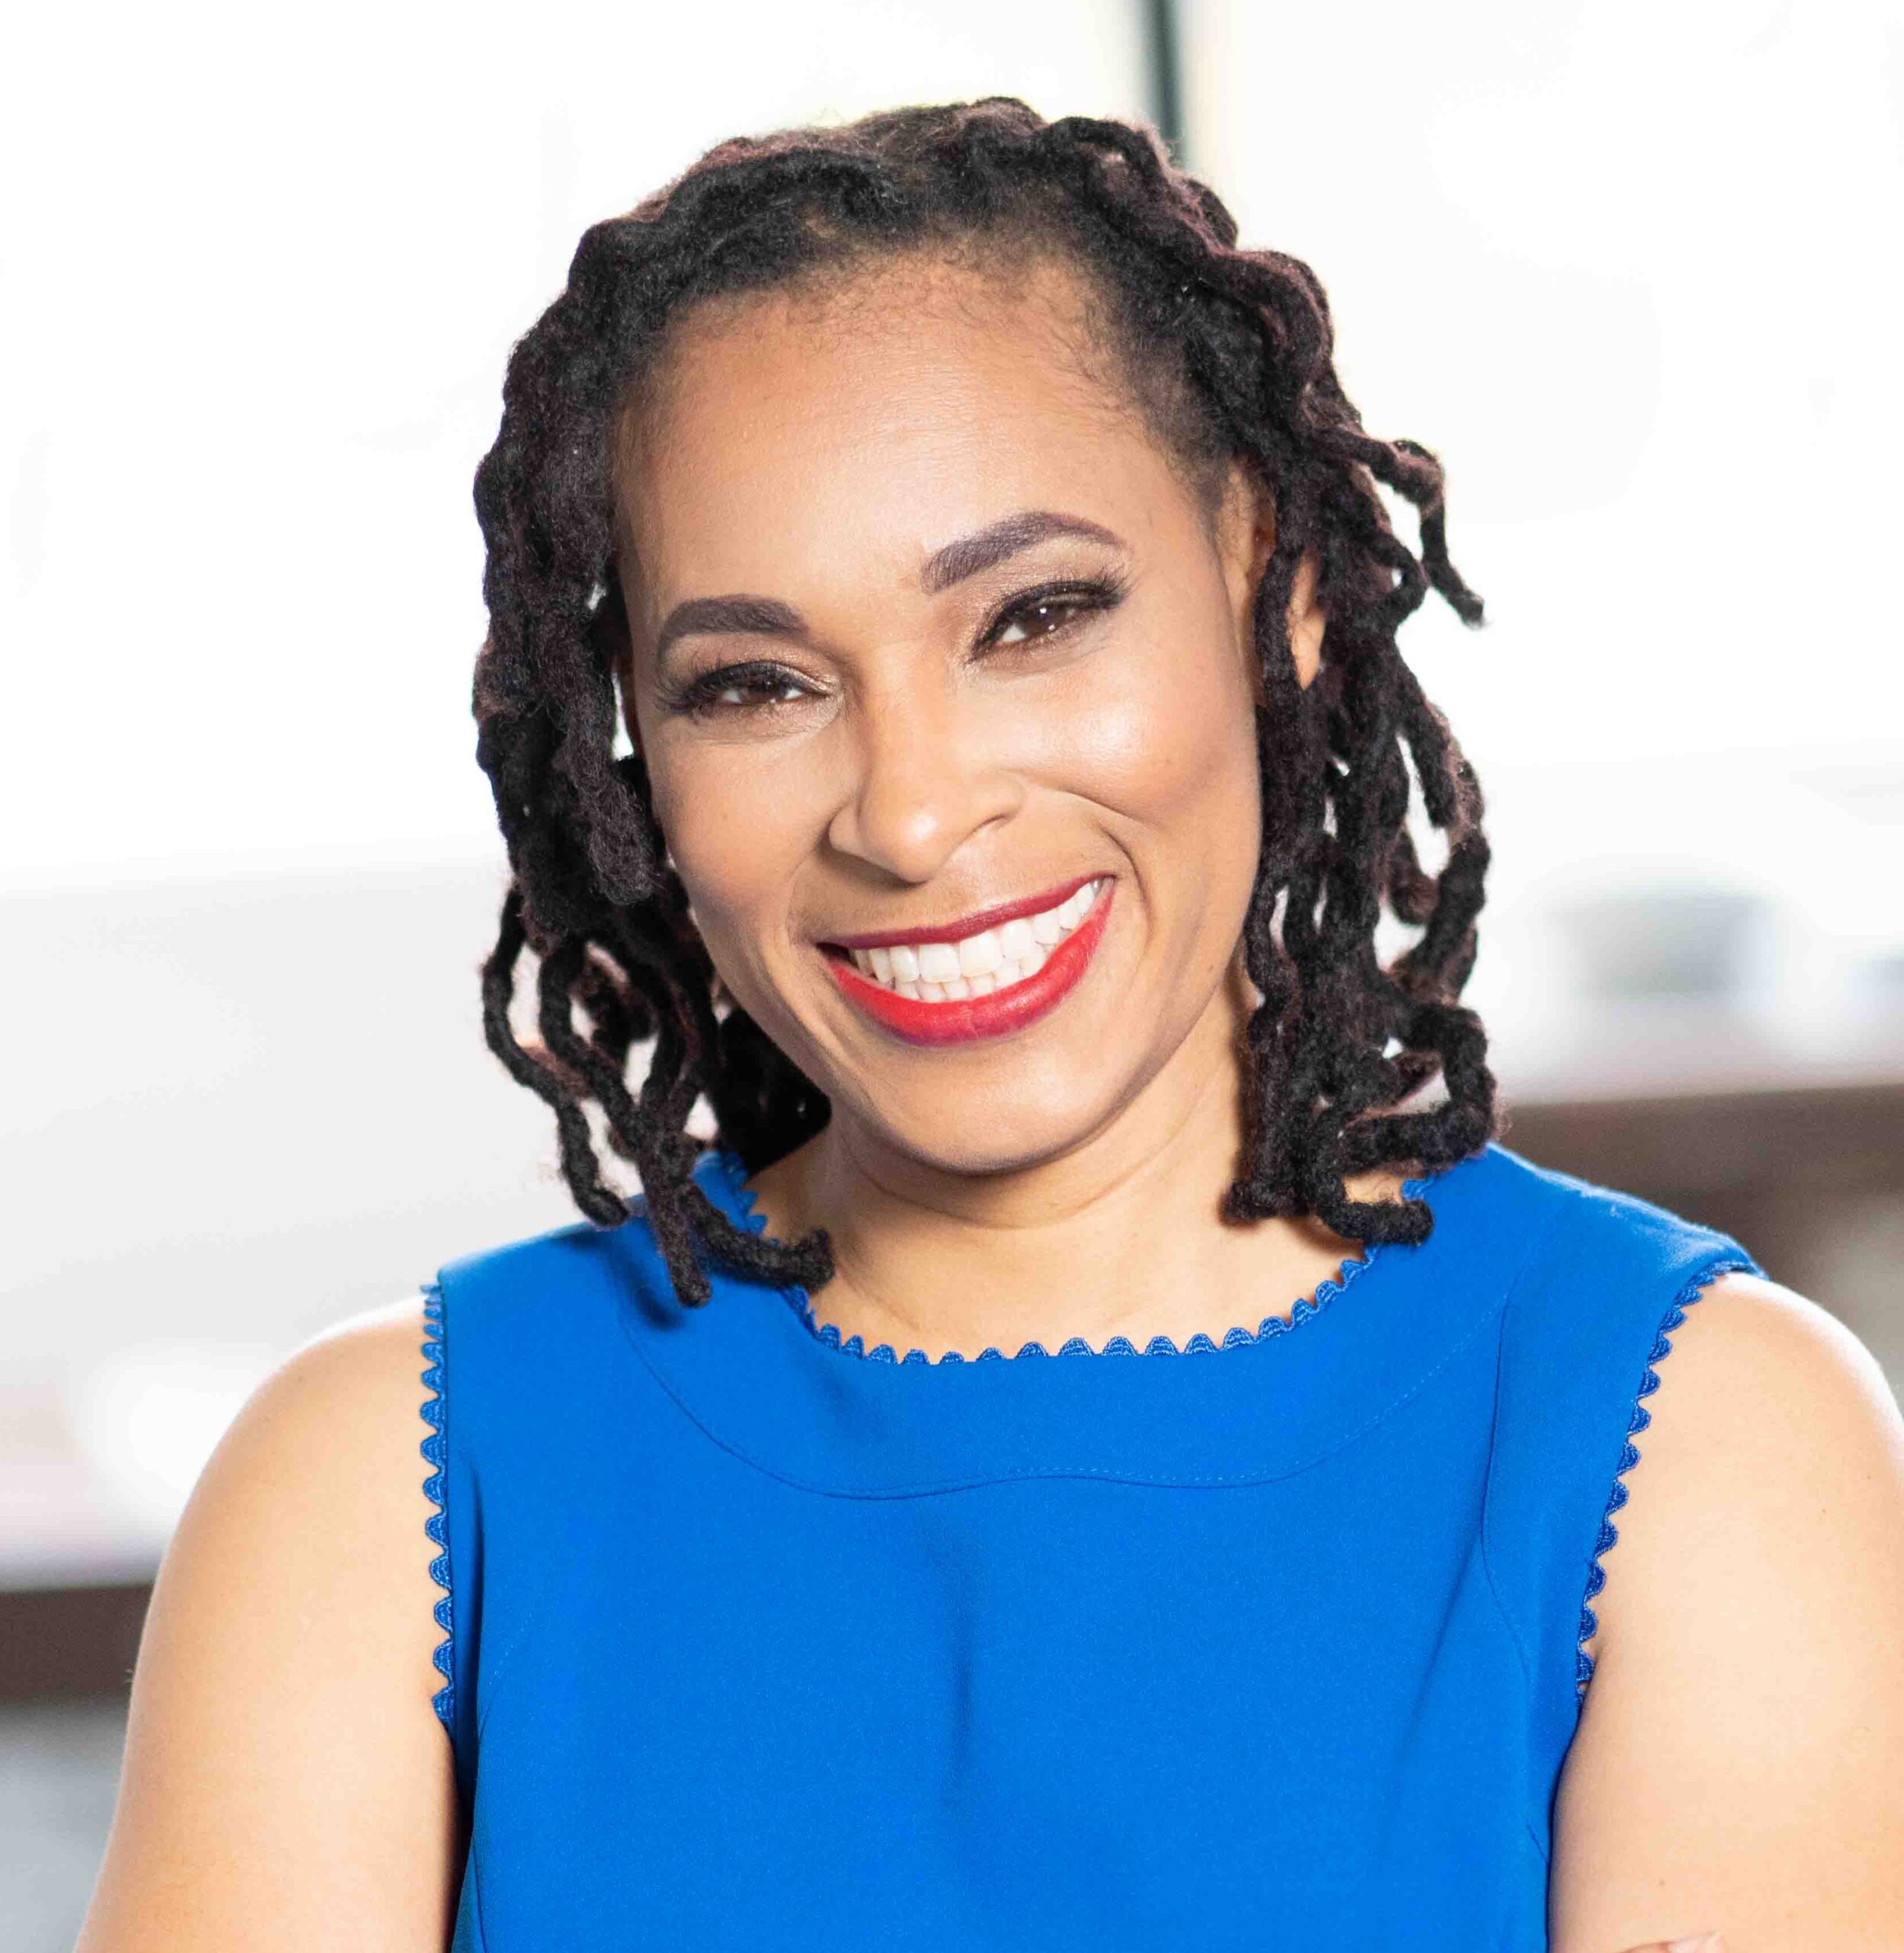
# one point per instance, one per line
(354, 1368)
(1774, 1442)
(1809, 1385)
(286, 1777)
(1768, 1402)
(327, 1450)
(1741, 1753)
(335, 1430)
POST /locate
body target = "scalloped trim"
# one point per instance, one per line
(734, 1172)
(1695, 1287)
(435, 1410)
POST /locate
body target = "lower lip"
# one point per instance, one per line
(962, 1020)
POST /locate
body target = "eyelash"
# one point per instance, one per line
(699, 697)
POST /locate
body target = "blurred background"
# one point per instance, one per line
(1633, 270)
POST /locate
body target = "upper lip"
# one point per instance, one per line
(963, 925)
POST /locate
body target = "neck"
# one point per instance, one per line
(1120, 1234)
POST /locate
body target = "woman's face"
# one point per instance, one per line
(924, 624)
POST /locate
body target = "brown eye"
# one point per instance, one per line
(753, 691)
(1036, 620)
(1042, 613)
(736, 690)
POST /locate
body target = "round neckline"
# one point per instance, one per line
(747, 1369)
(721, 1168)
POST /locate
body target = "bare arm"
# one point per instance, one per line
(1740, 1762)
(287, 1782)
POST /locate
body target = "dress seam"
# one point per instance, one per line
(1539, 1238)
(1110, 1475)
(1521, 1656)
(473, 1872)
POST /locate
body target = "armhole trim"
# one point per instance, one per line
(1695, 1287)
(436, 1409)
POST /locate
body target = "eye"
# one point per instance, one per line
(739, 688)
(1042, 613)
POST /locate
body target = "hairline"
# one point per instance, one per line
(1099, 346)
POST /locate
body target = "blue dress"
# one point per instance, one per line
(754, 1639)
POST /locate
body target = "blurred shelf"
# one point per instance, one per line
(70, 1641)
(1782, 1139)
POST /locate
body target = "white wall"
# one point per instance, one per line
(263, 268)
(1635, 269)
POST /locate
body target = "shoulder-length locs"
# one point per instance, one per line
(1231, 352)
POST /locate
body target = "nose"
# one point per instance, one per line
(925, 778)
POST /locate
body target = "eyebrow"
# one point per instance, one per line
(972, 554)
(767, 616)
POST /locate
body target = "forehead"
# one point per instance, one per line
(864, 422)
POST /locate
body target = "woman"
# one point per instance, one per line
(942, 690)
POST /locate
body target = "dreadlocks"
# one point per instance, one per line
(1229, 351)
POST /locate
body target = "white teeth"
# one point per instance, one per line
(938, 962)
(977, 965)
(980, 954)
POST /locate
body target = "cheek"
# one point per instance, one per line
(739, 826)
(1165, 737)
(1167, 753)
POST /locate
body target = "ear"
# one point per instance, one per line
(1306, 621)
(1246, 529)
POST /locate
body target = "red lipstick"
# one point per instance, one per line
(965, 925)
(962, 1020)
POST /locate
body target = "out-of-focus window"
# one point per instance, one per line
(1636, 273)
(262, 268)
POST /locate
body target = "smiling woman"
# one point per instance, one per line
(945, 734)
(1074, 1443)
(1046, 340)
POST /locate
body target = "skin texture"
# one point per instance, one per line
(286, 1781)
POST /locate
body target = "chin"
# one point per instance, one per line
(996, 1133)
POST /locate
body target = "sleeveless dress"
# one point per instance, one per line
(757, 1638)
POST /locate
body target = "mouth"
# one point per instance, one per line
(988, 983)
